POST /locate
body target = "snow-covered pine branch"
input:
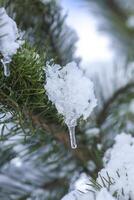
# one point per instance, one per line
(71, 92)
(115, 180)
(9, 39)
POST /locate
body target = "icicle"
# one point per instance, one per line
(6, 68)
(72, 137)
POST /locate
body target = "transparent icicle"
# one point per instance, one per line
(6, 67)
(72, 137)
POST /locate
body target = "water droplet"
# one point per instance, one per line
(72, 137)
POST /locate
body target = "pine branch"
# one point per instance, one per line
(25, 97)
(104, 112)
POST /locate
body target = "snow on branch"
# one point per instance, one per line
(9, 39)
(116, 180)
(71, 92)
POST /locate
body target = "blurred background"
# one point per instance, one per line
(99, 36)
(86, 26)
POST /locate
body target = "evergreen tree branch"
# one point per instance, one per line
(23, 93)
(104, 112)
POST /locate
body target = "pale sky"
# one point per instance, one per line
(92, 46)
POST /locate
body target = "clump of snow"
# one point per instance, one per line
(9, 42)
(120, 167)
(116, 179)
(71, 92)
(75, 195)
(104, 195)
(91, 194)
(82, 189)
(82, 183)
